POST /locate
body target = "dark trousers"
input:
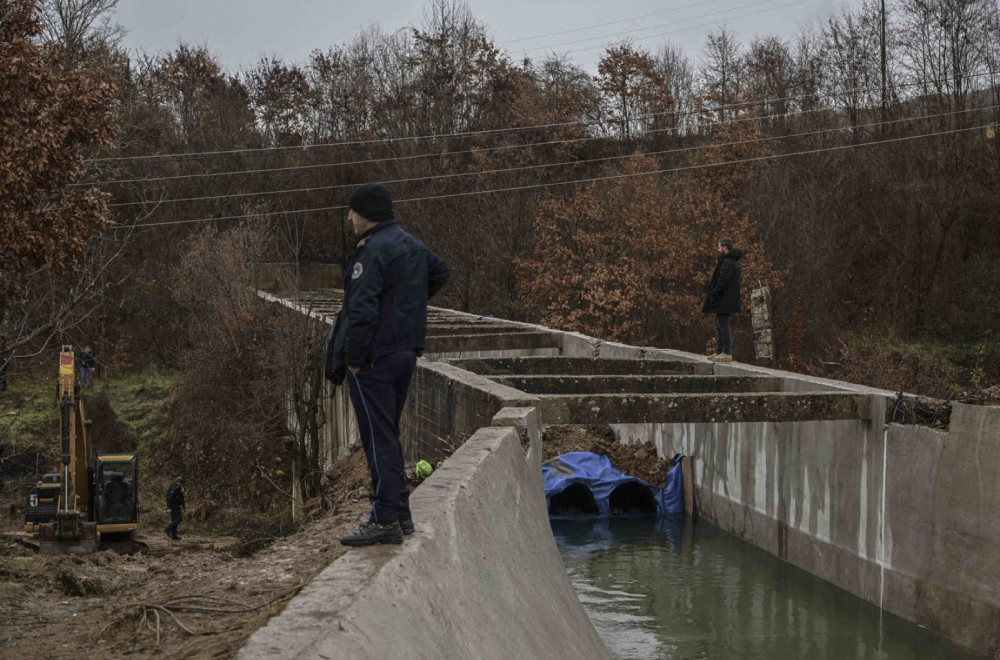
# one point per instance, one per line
(378, 393)
(175, 520)
(724, 336)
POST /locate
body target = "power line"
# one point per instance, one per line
(661, 25)
(695, 27)
(250, 151)
(462, 152)
(431, 137)
(603, 159)
(599, 25)
(674, 113)
(571, 182)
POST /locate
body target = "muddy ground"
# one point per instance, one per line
(180, 599)
(188, 599)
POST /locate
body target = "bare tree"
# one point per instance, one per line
(722, 72)
(948, 45)
(81, 25)
(677, 73)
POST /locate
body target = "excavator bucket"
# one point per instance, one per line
(69, 534)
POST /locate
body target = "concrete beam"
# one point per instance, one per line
(703, 408)
(571, 366)
(491, 342)
(620, 384)
(452, 328)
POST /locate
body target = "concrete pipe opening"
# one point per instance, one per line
(577, 500)
(631, 499)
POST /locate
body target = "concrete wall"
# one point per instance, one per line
(902, 516)
(446, 405)
(942, 548)
(480, 578)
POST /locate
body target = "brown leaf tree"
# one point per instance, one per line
(53, 114)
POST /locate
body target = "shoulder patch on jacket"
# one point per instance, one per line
(358, 271)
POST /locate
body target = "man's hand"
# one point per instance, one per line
(354, 370)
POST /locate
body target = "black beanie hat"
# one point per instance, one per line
(372, 201)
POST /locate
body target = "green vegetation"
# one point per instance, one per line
(931, 368)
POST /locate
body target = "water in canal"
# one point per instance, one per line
(657, 588)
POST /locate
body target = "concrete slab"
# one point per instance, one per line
(490, 342)
(612, 384)
(579, 366)
(451, 328)
(691, 408)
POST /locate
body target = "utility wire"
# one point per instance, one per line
(629, 33)
(600, 25)
(571, 182)
(426, 137)
(676, 114)
(602, 159)
(195, 155)
(463, 152)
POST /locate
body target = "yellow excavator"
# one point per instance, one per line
(91, 494)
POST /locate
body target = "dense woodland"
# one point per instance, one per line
(854, 162)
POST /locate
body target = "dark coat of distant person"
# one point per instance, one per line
(724, 288)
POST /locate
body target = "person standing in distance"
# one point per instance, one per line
(378, 335)
(175, 505)
(723, 298)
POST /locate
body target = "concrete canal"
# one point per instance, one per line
(660, 589)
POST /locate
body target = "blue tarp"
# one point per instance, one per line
(596, 473)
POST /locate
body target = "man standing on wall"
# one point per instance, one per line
(378, 335)
(723, 298)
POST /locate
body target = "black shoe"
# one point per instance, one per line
(405, 524)
(176, 537)
(371, 533)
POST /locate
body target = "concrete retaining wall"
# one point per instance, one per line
(480, 578)
(446, 405)
(902, 516)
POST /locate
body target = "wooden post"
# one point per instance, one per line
(687, 475)
(204, 509)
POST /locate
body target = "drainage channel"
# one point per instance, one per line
(663, 588)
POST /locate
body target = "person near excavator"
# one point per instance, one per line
(175, 506)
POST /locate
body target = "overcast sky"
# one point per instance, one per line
(240, 32)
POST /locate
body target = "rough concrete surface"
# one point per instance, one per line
(570, 366)
(943, 527)
(628, 384)
(730, 407)
(503, 341)
(465, 585)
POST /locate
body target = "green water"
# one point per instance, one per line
(663, 589)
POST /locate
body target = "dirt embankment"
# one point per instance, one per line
(178, 600)
(187, 600)
(636, 460)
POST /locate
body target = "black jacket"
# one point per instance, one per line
(387, 284)
(724, 289)
(175, 496)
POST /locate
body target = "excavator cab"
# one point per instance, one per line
(115, 483)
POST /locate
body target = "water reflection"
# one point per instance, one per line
(663, 588)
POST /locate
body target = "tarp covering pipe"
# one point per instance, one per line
(583, 483)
